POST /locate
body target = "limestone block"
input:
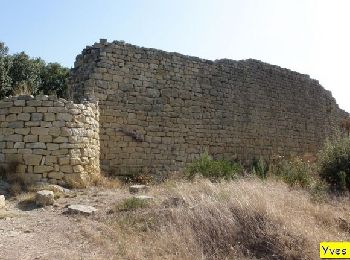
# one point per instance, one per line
(30, 138)
(41, 109)
(64, 117)
(45, 138)
(4, 104)
(32, 159)
(60, 139)
(24, 151)
(15, 110)
(23, 117)
(19, 145)
(81, 209)
(22, 131)
(60, 152)
(66, 168)
(19, 103)
(45, 198)
(54, 131)
(45, 124)
(11, 118)
(39, 131)
(37, 116)
(14, 138)
(50, 160)
(42, 168)
(63, 160)
(49, 117)
(56, 175)
(52, 147)
(29, 109)
(31, 123)
(36, 145)
(16, 124)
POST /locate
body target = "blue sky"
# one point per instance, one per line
(309, 36)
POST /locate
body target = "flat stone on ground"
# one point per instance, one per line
(81, 209)
(138, 188)
(2, 201)
(144, 197)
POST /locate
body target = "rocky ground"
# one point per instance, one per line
(50, 232)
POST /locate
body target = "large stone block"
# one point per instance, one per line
(32, 159)
(39, 131)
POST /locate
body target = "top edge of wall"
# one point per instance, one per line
(103, 44)
(46, 98)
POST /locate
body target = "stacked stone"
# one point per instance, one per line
(49, 139)
(160, 110)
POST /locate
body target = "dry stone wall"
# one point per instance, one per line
(49, 139)
(159, 110)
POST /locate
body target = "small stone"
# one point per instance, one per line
(138, 189)
(81, 209)
(144, 197)
(2, 201)
(44, 198)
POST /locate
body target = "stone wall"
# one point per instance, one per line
(49, 139)
(159, 110)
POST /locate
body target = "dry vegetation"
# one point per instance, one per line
(243, 219)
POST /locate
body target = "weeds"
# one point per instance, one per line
(334, 163)
(207, 167)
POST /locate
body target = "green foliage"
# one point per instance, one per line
(54, 79)
(334, 163)
(25, 73)
(294, 172)
(21, 74)
(260, 168)
(213, 169)
(132, 204)
(5, 65)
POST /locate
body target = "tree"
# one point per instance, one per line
(21, 74)
(25, 74)
(5, 66)
(54, 79)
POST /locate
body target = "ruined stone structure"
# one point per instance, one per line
(49, 139)
(138, 108)
(160, 110)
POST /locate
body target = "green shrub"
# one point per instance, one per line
(207, 167)
(294, 172)
(260, 168)
(132, 204)
(334, 163)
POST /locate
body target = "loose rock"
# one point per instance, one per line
(2, 201)
(44, 198)
(81, 209)
(138, 189)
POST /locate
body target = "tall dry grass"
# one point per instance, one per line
(244, 219)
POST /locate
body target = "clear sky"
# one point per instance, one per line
(309, 36)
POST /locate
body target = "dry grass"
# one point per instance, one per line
(244, 219)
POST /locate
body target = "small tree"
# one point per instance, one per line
(54, 79)
(5, 66)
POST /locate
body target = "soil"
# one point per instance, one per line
(29, 232)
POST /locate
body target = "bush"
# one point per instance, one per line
(260, 168)
(207, 167)
(132, 204)
(294, 172)
(334, 163)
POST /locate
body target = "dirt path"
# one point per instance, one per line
(49, 233)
